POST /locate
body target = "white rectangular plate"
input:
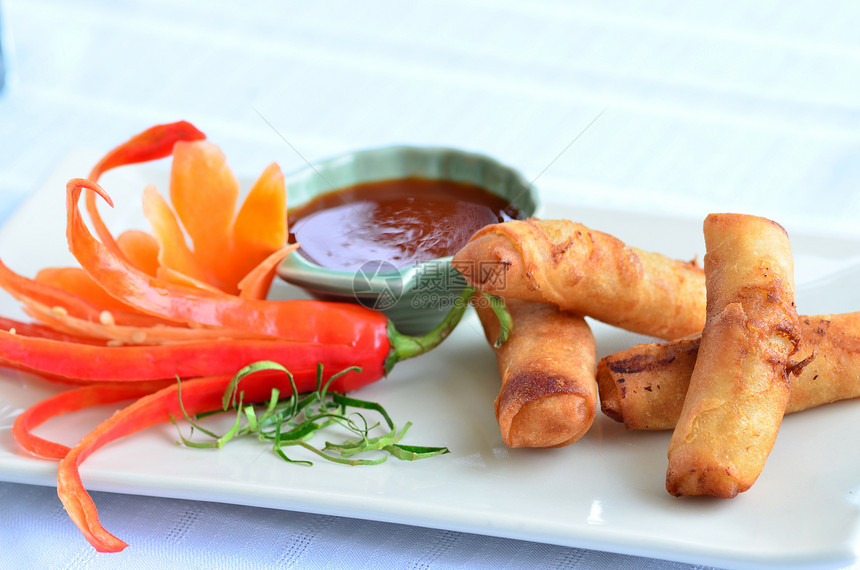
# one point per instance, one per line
(604, 492)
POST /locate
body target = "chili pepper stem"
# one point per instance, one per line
(406, 346)
(506, 323)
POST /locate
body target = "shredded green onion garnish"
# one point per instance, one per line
(295, 420)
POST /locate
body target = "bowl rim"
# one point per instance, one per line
(305, 273)
(310, 168)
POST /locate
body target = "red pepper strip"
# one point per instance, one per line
(72, 401)
(25, 289)
(153, 143)
(76, 281)
(81, 330)
(41, 331)
(22, 287)
(185, 360)
(302, 320)
(198, 396)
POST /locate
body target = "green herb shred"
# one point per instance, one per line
(295, 420)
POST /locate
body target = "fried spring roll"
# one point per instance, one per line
(547, 367)
(644, 387)
(586, 272)
(739, 387)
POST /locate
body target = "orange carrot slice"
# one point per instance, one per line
(174, 253)
(261, 224)
(256, 284)
(141, 250)
(204, 192)
(175, 277)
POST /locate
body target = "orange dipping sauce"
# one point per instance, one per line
(403, 222)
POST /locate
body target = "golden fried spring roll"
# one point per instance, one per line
(586, 272)
(644, 387)
(547, 366)
(739, 387)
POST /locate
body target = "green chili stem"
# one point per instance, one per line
(506, 323)
(406, 346)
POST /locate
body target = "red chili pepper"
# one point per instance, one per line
(92, 363)
(72, 401)
(197, 396)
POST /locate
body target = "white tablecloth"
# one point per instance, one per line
(648, 105)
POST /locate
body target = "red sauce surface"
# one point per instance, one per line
(402, 221)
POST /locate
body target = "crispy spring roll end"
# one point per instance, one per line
(610, 397)
(718, 482)
(548, 396)
(536, 410)
(644, 387)
(492, 249)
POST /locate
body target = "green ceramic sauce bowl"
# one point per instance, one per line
(415, 298)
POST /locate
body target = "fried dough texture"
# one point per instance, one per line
(739, 387)
(547, 366)
(588, 273)
(644, 387)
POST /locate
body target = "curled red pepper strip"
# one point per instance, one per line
(153, 143)
(90, 363)
(25, 289)
(303, 320)
(198, 396)
(22, 287)
(105, 330)
(72, 401)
